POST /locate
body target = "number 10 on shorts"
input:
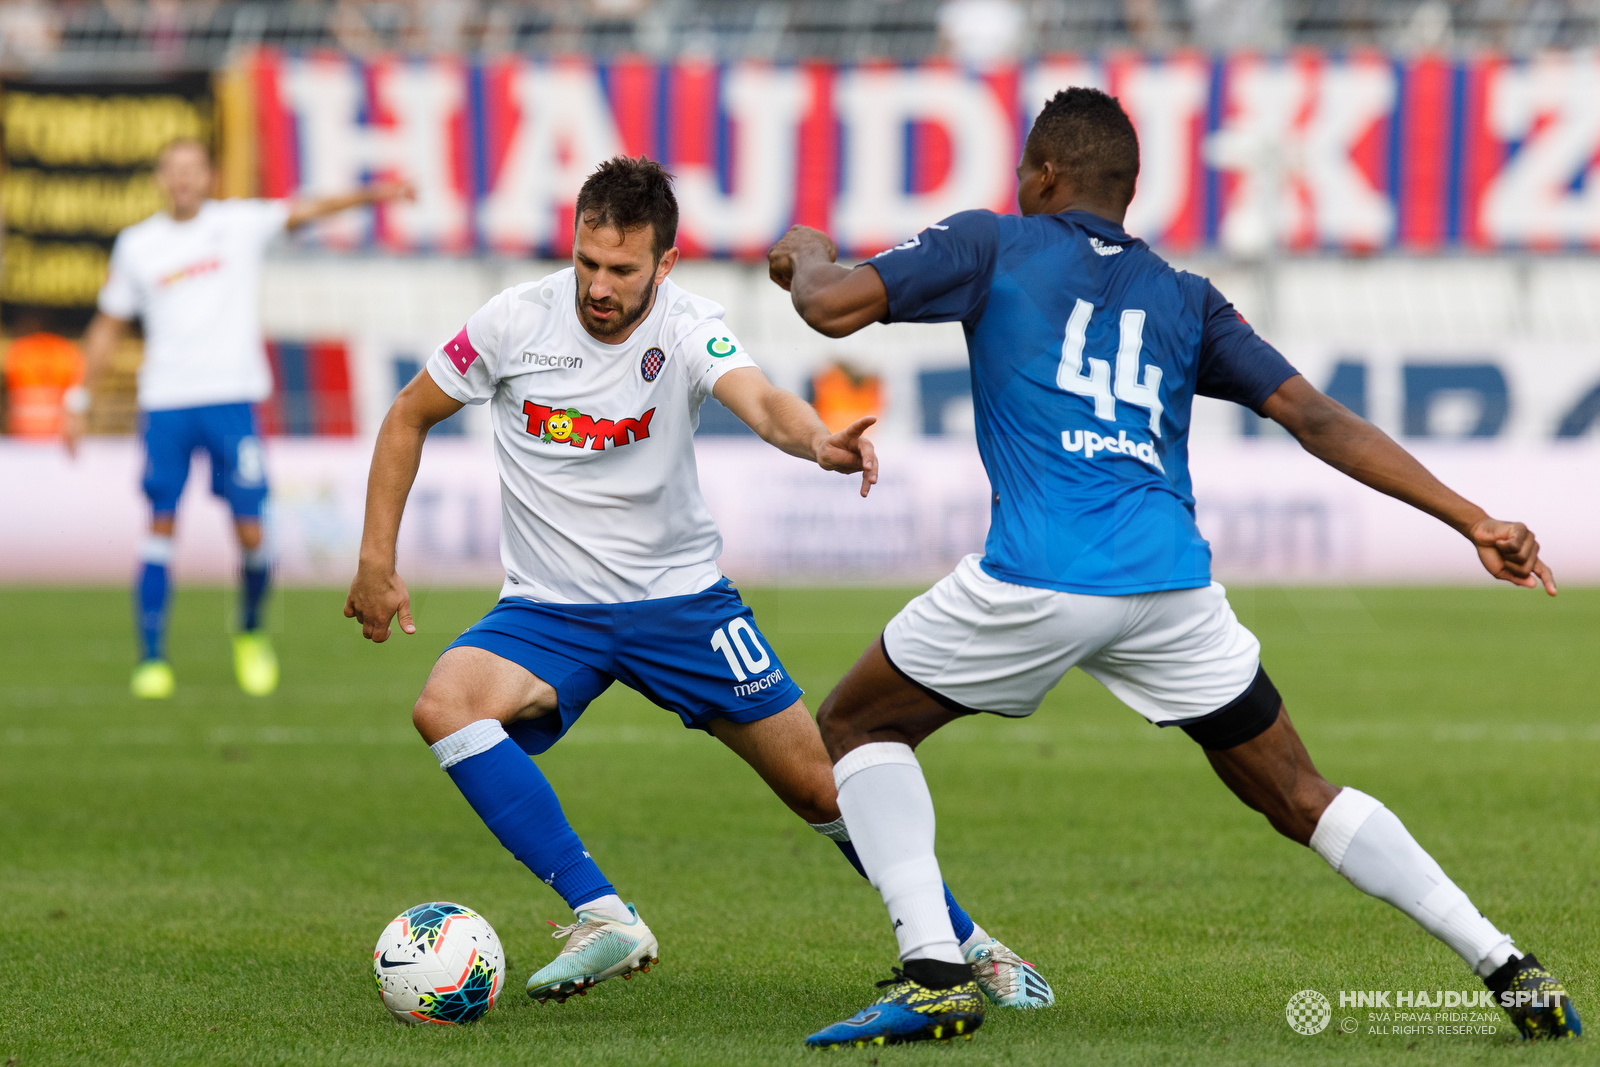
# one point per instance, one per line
(741, 636)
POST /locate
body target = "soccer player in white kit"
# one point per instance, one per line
(192, 274)
(595, 376)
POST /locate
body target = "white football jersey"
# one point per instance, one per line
(600, 498)
(197, 284)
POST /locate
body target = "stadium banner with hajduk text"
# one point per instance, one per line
(78, 158)
(1273, 515)
(1245, 154)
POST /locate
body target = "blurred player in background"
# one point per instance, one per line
(1087, 350)
(595, 376)
(192, 273)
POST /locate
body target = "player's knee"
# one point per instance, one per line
(432, 716)
(817, 801)
(249, 533)
(835, 725)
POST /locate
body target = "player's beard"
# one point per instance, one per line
(624, 320)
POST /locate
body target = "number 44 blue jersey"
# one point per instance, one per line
(1086, 351)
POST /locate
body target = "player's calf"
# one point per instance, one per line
(1268, 767)
(1257, 753)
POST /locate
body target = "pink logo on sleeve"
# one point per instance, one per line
(460, 351)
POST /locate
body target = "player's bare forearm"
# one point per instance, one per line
(99, 345)
(396, 456)
(377, 594)
(1354, 446)
(777, 416)
(786, 422)
(305, 211)
(832, 299)
(100, 342)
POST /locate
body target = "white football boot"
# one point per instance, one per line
(597, 948)
(1006, 978)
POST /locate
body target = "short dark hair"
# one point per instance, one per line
(630, 193)
(1090, 139)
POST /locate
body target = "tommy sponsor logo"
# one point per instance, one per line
(1090, 443)
(721, 346)
(193, 270)
(766, 681)
(569, 426)
(539, 359)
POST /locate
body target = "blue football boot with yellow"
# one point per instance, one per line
(911, 1010)
(1535, 999)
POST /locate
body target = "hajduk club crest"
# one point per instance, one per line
(650, 365)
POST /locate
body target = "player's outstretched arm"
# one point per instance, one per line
(377, 593)
(833, 299)
(310, 210)
(1343, 440)
(785, 421)
(99, 345)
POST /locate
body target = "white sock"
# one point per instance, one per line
(471, 740)
(610, 906)
(1365, 842)
(156, 548)
(837, 831)
(833, 831)
(887, 806)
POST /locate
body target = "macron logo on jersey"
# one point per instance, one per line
(569, 426)
(460, 351)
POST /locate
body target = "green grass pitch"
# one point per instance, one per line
(201, 881)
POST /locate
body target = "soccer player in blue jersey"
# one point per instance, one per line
(1087, 350)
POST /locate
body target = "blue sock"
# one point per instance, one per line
(958, 917)
(253, 579)
(516, 803)
(150, 595)
(849, 850)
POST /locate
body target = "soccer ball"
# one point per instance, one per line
(438, 963)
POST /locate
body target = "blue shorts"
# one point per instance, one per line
(227, 433)
(698, 655)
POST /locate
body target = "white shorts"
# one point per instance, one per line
(988, 645)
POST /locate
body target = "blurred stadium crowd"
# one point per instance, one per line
(106, 34)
